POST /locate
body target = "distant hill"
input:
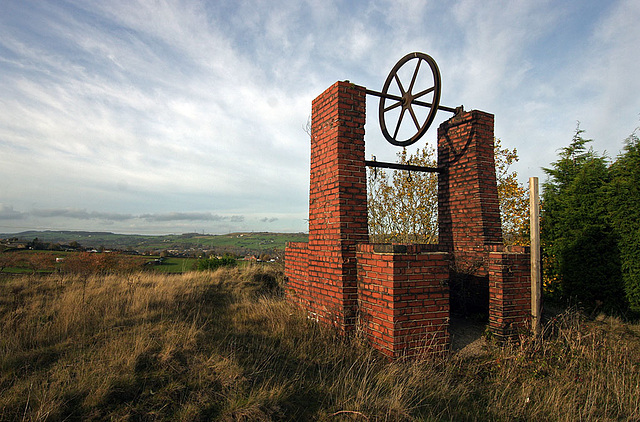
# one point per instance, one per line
(238, 243)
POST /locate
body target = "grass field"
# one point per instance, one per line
(227, 346)
(255, 242)
(176, 265)
(43, 262)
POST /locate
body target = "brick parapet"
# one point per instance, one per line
(509, 292)
(403, 298)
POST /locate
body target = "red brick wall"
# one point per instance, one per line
(401, 292)
(296, 271)
(510, 290)
(470, 227)
(337, 206)
(403, 298)
(468, 211)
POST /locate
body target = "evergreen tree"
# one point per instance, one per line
(624, 210)
(580, 246)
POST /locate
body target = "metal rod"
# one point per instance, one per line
(396, 166)
(381, 95)
(453, 110)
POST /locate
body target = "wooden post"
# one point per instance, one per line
(536, 276)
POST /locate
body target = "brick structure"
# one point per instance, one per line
(337, 208)
(485, 278)
(403, 298)
(399, 295)
(509, 290)
(468, 211)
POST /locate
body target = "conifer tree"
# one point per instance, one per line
(580, 248)
(624, 211)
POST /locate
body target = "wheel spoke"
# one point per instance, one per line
(402, 91)
(425, 92)
(415, 119)
(391, 107)
(395, 134)
(415, 74)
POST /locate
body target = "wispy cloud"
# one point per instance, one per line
(80, 214)
(191, 216)
(8, 213)
(185, 111)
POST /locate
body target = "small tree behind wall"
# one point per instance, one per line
(403, 206)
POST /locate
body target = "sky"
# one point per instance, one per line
(175, 116)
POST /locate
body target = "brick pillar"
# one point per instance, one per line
(337, 202)
(510, 291)
(468, 212)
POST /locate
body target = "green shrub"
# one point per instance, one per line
(213, 263)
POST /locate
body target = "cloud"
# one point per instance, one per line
(609, 75)
(136, 104)
(268, 220)
(80, 214)
(191, 216)
(8, 213)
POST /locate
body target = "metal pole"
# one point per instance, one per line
(398, 166)
(536, 276)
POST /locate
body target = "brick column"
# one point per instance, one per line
(510, 291)
(337, 203)
(468, 211)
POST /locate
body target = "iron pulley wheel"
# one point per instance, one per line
(417, 100)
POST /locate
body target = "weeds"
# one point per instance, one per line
(225, 345)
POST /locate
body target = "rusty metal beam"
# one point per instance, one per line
(397, 166)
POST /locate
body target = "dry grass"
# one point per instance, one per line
(226, 346)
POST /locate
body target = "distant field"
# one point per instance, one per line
(256, 242)
(25, 262)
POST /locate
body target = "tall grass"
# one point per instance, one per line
(225, 345)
